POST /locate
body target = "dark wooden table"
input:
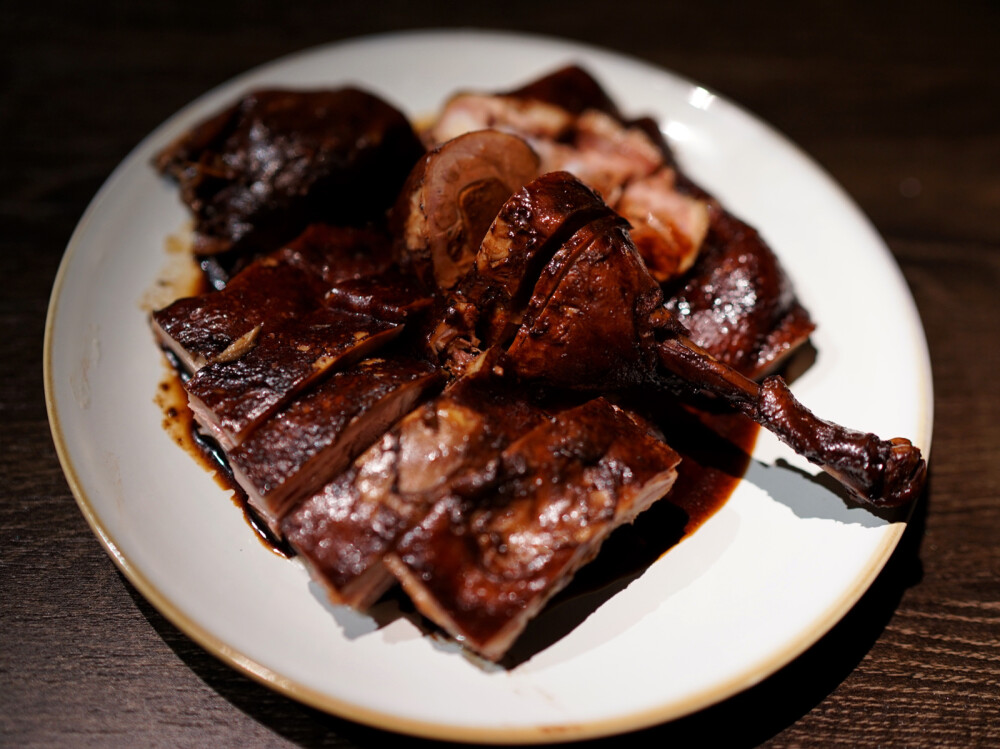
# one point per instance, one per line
(903, 108)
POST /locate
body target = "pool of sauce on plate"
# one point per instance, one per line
(179, 423)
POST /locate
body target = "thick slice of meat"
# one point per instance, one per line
(588, 319)
(230, 398)
(223, 325)
(314, 438)
(287, 283)
(451, 198)
(737, 302)
(392, 295)
(255, 174)
(528, 230)
(482, 564)
(531, 226)
(343, 532)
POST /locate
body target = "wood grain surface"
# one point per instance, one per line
(900, 102)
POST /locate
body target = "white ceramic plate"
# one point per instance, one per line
(761, 581)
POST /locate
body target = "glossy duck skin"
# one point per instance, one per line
(344, 530)
(290, 456)
(527, 232)
(737, 303)
(529, 229)
(230, 398)
(279, 286)
(258, 173)
(486, 559)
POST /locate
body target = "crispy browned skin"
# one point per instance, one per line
(282, 285)
(485, 561)
(451, 198)
(532, 225)
(587, 322)
(230, 398)
(314, 438)
(257, 173)
(391, 295)
(528, 230)
(737, 302)
(344, 531)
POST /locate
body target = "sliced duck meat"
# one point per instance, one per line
(230, 398)
(255, 174)
(587, 321)
(534, 121)
(222, 325)
(343, 532)
(451, 198)
(391, 295)
(482, 564)
(528, 230)
(531, 226)
(313, 439)
(737, 302)
(668, 226)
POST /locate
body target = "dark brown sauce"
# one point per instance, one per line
(179, 423)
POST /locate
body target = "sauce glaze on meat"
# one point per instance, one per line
(545, 262)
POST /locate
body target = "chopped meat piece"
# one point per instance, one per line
(343, 532)
(315, 437)
(485, 309)
(482, 564)
(451, 198)
(737, 302)
(257, 173)
(604, 153)
(222, 324)
(587, 321)
(668, 226)
(392, 295)
(528, 230)
(287, 283)
(230, 398)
